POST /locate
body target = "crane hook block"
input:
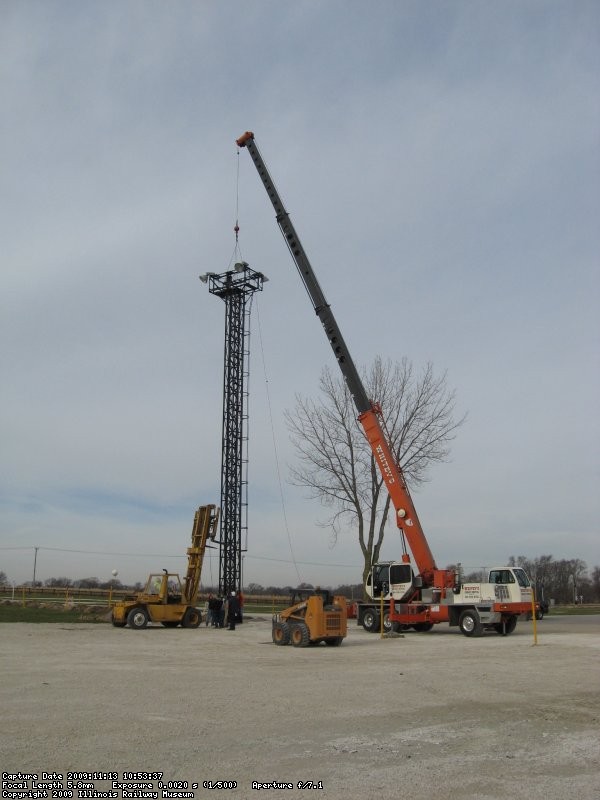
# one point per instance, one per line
(241, 142)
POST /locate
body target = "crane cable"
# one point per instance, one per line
(275, 451)
(238, 252)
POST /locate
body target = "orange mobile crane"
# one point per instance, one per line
(431, 595)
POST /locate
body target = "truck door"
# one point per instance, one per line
(381, 580)
(400, 580)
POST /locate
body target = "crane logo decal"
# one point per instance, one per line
(384, 464)
(501, 592)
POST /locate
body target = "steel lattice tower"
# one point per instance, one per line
(236, 289)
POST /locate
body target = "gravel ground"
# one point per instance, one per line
(417, 716)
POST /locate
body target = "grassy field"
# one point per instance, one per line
(20, 613)
(17, 612)
(590, 608)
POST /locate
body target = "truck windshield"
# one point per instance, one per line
(501, 576)
(522, 578)
(400, 573)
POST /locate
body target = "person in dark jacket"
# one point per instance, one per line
(232, 610)
(221, 612)
(212, 617)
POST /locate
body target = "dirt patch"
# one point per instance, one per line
(413, 717)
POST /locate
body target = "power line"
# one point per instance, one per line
(210, 556)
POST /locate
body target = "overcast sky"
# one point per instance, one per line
(440, 163)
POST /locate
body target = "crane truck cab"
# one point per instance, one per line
(391, 579)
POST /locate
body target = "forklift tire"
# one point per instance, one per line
(371, 620)
(281, 633)
(299, 635)
(469, 623)
(335, 641)
(118, 623)
(192, 618)
(137, 618)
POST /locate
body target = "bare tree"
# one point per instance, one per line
(58, 582)
(541, 571)
(335, 460)
(562, 581)
(596, 584)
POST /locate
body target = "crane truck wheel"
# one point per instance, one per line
(371, 620)
(469, 623)
(299, 635)
(423, 627)
(388, 625)
(137, 618)
(192, 618)
(507, 627)
(281, 633)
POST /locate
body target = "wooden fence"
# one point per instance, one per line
(62, 594)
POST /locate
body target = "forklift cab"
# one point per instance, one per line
(165, 588)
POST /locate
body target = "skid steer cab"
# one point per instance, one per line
(315, 616)
(161, 601)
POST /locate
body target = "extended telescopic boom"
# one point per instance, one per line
(368, 412)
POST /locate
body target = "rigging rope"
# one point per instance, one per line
(274, 438)
(237, 255)
(237, 252)
(237, 198)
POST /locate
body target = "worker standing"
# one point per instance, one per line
(210, 606)
(232, 610)
(220, 612)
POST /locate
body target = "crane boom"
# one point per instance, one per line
(369, 413)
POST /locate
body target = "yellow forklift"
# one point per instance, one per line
(315, 616)
(164, 599)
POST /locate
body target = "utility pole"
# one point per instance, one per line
(34, 563)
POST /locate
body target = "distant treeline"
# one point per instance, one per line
(564, 581)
